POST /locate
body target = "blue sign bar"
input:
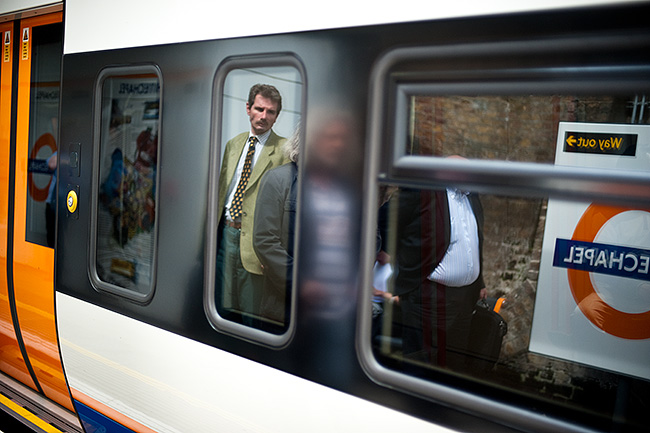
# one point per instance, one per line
(602, 258)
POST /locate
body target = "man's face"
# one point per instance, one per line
(262, 114)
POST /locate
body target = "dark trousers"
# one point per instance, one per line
(436, 324)
(238, 291)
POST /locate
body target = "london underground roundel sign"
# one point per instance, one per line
(583, 257)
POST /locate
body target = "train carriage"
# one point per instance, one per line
(118, 316)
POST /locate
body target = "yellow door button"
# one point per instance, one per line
(72, 201)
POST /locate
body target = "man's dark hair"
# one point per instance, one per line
(267, 91)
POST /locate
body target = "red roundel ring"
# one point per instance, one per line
(40, 194)
(631, 326)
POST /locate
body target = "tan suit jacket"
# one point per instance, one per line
(271, 156)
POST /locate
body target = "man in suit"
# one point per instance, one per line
(247, 157)
(438, 272)
(273, 235)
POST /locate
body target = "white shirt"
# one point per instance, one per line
(261, 141)
(461, 264)
(381, 275)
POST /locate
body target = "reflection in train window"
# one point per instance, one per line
(511, 128)
(559, 332)
(126, 179)
(431, 268)
(43, 120)
(257, 190)
(543, 344)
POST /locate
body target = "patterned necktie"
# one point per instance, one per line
(235, 206)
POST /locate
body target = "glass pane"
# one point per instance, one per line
(569, 281)
(564, 319)
(510, 128)
(128, 153)
(257, 214)
(43, 119)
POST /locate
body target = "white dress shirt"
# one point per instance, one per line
(461, 264)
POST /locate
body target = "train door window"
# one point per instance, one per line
(46, 44)
(533, 293)
(125, 181)
(253, 213)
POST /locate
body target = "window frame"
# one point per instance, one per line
(506, 67)
(219, 323)
(97, 283)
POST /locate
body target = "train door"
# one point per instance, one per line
(29, 105)
(11, 359)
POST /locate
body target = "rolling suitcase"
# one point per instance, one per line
(487, 331)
